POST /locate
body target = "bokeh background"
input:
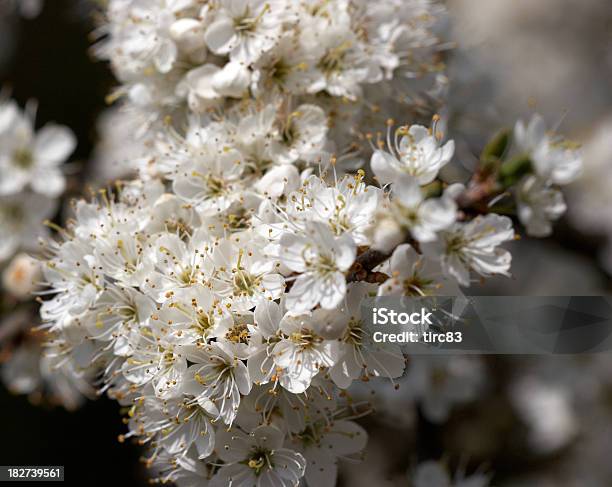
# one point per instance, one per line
(530, 421)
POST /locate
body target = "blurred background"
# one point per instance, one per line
(528, 421)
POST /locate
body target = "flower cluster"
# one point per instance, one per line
(556, 162)
(353, 59)
(31, 182)
(30, 176)
(217, 296)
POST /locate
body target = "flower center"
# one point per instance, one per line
(259, 460)
(23, 158)
(305, 339)
(455, 244)
(239, 333)
(12, 213)
(238, 220)
(245, 284)
(178, 226)
(203, 321)
(410, 215)
(354, 332)
(247, 24)
(326, 265)
(185, 277)
(416, 285)
(279, 71)
(215, 185)
(333, 60)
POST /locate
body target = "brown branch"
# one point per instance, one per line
(479, 191)
(361, 270)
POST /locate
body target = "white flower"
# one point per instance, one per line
(205, 86)
(243, 274)
(302, 351)
(172, 425)
(254, 132)
(216, 380)
(208, 176)
(359, 356)
(413, 274)
(117, 318)
(302, 133)
(422, 217)
(71, 273)
(439, 383)
(321, 259)
(21, 277)
(257, 459)
(474, 246)
(322, 445)
(343, 62)
(244, 29)
(170, 214)
(538, 205)
(554, 159)
(290, 350)
(349, 206)
(145, 35)
(124, 257)
(32, 159)
(158, 358)
(288, 67)
(176, 266)
(418, 153)
(547, 411)
(21, 218)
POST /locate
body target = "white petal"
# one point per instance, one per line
(49, 182)
(384, 166)
(334, 291)
(166, 56)
(220, 36)
(53, 144)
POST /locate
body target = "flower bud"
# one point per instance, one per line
(280, 180)
(20, 277)
(387, 234)
(188, 34)
(232, 80)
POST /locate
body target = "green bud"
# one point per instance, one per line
(498, 145)
(494, 151)
(514, 169)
